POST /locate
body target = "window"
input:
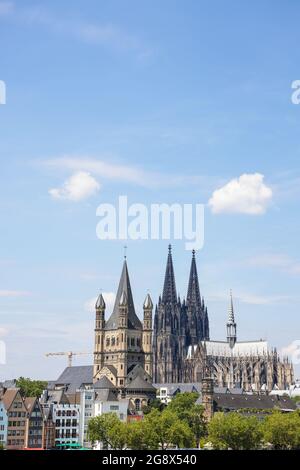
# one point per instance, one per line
(132, 342)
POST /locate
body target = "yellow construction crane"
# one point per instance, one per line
(69, 354)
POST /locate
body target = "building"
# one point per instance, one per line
(66, 417)
(87, 406)
(182, 349)
(17, 425)
(107, 400)
(48, 429)
(34, 438)
(3, 425)
(123, 345)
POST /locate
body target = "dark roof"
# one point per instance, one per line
(236, 402)
(54, 396)
(104, 383)
(75, 377)
(106, 395)
(124, 286)
(139, 383)
(174, 388)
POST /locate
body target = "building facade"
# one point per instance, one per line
(17, 422)
(183, 351)
(34, 437)
(3, 425)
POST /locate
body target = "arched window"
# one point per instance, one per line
(113, 341)
(107, 341)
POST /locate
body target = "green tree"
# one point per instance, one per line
(234, 431)
(30, 388)
(282, 430)
(165, 430)
(155, 404)
(100, 429)
(185, 407)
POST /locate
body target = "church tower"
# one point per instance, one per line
(167, 326)
(198, 324)
(122, 342)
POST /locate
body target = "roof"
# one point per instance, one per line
(262, 402)
(106, 395)
(75, 377)
(174, 388)
(9, 397)
(29, 403)
(241, 348)
(54, 396)
(104, 383)
(140, 384)
(124, 288)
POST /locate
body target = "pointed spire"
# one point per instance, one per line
(231, 311)
(148, 304)
(100, 304)
(124, 288)
(231, 325)
(193, 294)
(169, 292)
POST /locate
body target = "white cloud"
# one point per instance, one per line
(276, 260)
(119, 172)
(244, 195)
(79, 186)
(6, 8)
(292, 351)
(13, 293)
(109, 299)
(99, 34)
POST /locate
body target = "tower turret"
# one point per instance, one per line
(99, 334)
(147, 334)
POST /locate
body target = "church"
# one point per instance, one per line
(176, 348)
(183, 351)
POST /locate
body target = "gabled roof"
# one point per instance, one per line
(9, 397)
(104, 383)
(29, 403)
(139, 383)
(124, 289)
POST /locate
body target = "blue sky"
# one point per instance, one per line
(164, 102)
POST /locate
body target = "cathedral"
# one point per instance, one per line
(132, 354)
(183, 351)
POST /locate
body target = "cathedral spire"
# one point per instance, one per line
(124, 295)
(169, 292)
(193, 294)
(231, 325)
